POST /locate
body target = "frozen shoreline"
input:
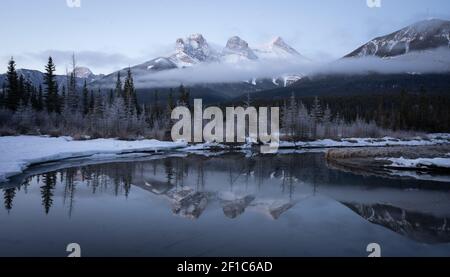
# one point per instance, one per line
(17, 153)
(420, 163)
(431, 139)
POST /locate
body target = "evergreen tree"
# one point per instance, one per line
(423, 109)
(111, 97)
(34, 99)
(118, 86)
(21, 90)
(327, 115)
(63, 98)
(291, 116)
(156, 108)
(316, 116)
(129, 93)
(98, 104)
(85, 99)
(92, 102)
(12, 89)
(29, 88)
(183, 99)
(3, 96)
(327, 121)
(304, 121)
(40, 99)
(170, 102)
(51, 97)
(316, 110)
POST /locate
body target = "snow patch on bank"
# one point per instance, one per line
(19, 152)
(421, 163)
(431, 139)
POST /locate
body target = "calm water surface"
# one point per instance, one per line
(228, 205)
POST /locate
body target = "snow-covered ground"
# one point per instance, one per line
(421, 163)
(19, 152)
(431, 139)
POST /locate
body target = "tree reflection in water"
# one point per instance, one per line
(272, 183)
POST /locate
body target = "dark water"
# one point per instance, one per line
(230, 205)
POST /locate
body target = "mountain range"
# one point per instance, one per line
(194, 52)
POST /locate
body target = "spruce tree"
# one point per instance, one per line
(92, 102)
(111, 97)
(21, 90)
(40, 99)
(3, 96)
(170, 102)
(85, 99)
(51, 90)
(183, 96)
(118, 86)
(27, 92)
(316, 115)
(63, 98)
(12, 89)
(98, 104)
(34, 99)
(129, 93)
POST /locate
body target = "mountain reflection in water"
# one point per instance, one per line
(271, 185)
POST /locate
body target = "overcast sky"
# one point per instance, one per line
(107, 35)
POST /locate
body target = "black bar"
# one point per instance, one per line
(359, 266)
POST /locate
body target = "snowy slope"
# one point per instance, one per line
(277, 49)
(423, 35)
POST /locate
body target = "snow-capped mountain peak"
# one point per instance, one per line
(423, 35)
(279, 44)
(83, 72)
(277, 48)
(238, 49)
(192, 50)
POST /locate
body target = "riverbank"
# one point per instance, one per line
(20, 152)
(394, 160)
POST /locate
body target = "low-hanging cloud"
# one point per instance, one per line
(220, 73)
(434, 61)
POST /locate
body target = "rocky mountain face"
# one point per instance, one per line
(278, 49)
(83, 72)
(192, 50)
(423, 35)
(416, 226)
(237, 50)
(195, 50)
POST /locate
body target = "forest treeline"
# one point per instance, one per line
(81, 112)
(65, 109)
